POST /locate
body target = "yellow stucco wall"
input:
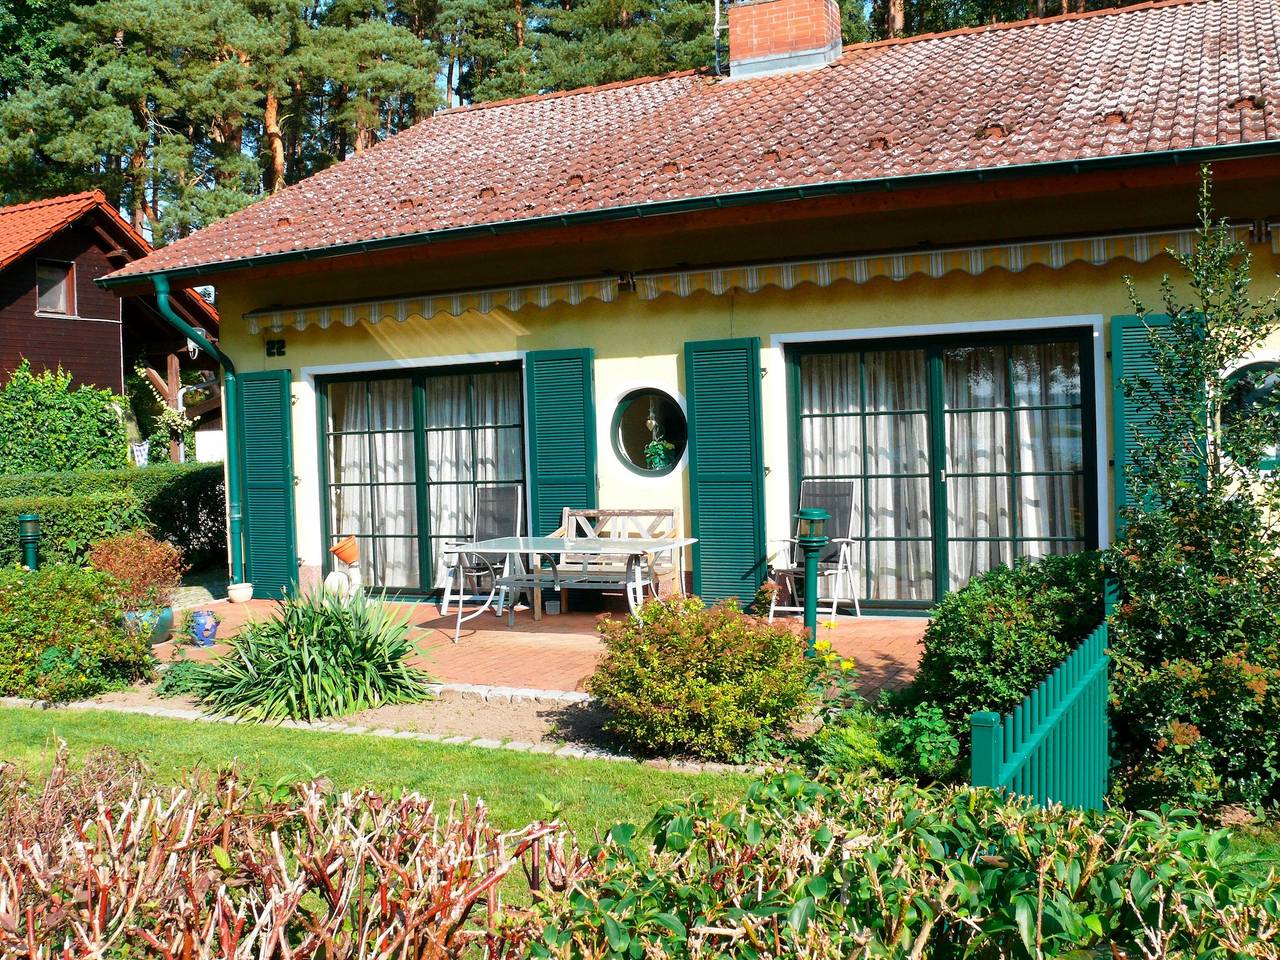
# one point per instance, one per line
(639, 343)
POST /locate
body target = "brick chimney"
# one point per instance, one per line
(770, 36)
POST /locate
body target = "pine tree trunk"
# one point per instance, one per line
(897, 18)
(275, 142)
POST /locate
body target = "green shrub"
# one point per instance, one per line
(878, 869)
(319, 656)
(61, 636)
(182, 677)
(184, 504)
(680, 678)
(148, 570)
(69, 525)
(920, 744)
(46, 425)
(1196, 651)
(991, 642)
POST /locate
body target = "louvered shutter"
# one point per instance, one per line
(726, 467)
(1131, 356)
(562, 435)
(271, 561)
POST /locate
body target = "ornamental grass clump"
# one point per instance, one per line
(680, 678)
(319, 656)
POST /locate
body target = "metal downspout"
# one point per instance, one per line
(231, 423)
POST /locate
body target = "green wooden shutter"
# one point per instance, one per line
(726, 467)
(1131, 355)
(271, 556)
(562, 435)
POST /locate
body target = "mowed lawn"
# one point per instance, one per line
(591, 794)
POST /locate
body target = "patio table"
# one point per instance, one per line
(541, 549)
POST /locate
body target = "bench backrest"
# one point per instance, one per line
(642, 524)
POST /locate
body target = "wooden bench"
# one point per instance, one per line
(617, 574)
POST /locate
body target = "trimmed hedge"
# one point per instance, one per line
(70, 525)
(183, 502)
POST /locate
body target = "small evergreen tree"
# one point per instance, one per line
(1196, 635)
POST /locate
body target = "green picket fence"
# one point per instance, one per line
(1053, 747)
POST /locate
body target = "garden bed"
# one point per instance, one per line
(452, 714)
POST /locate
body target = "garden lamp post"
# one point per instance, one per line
(29, 537)
(811, 535)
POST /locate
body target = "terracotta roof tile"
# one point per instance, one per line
(1142, 79)
(25, 226)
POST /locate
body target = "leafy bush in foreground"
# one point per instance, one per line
(318, 656)
(864, 869)
(991, 642)
(61, 636)
(680, 678)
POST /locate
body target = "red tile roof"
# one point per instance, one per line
(25, 226)
(1137, 80)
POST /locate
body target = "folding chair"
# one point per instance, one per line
(837, 576)
(499, 512)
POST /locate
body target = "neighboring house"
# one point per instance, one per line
(53, 313)
(901, 263)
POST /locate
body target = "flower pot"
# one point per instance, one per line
(240, 592)
(346, 550)
(204, 628)
(157, 623)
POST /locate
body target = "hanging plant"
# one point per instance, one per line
(658, 454)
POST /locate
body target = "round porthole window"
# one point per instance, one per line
(649, 431)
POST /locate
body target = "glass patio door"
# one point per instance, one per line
(1015, 474)
(994, 438)
(865, 418)
(403, 457)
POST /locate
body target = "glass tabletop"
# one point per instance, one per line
(617, 546)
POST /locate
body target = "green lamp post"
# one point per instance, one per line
(29, 537)
(811, 535)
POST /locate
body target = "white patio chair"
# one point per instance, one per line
(499, 512)
(837, 574)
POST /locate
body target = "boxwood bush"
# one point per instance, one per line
(991, 642)
(681, 678)
(184, 503)
(61, 636)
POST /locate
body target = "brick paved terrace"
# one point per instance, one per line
(560, 652)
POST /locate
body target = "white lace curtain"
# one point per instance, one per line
(473, 436)
(372, 470)
(1014, 472)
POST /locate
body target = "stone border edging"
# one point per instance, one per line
(483, 743)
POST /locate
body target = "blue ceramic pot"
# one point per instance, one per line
(159, 623)
(204, 628)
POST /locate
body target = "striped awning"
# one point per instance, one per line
(973, 260)
(1014, 257)
(425, 307)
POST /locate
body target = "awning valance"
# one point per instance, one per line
(974, 260)
(1014, 257)
(427, 306)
